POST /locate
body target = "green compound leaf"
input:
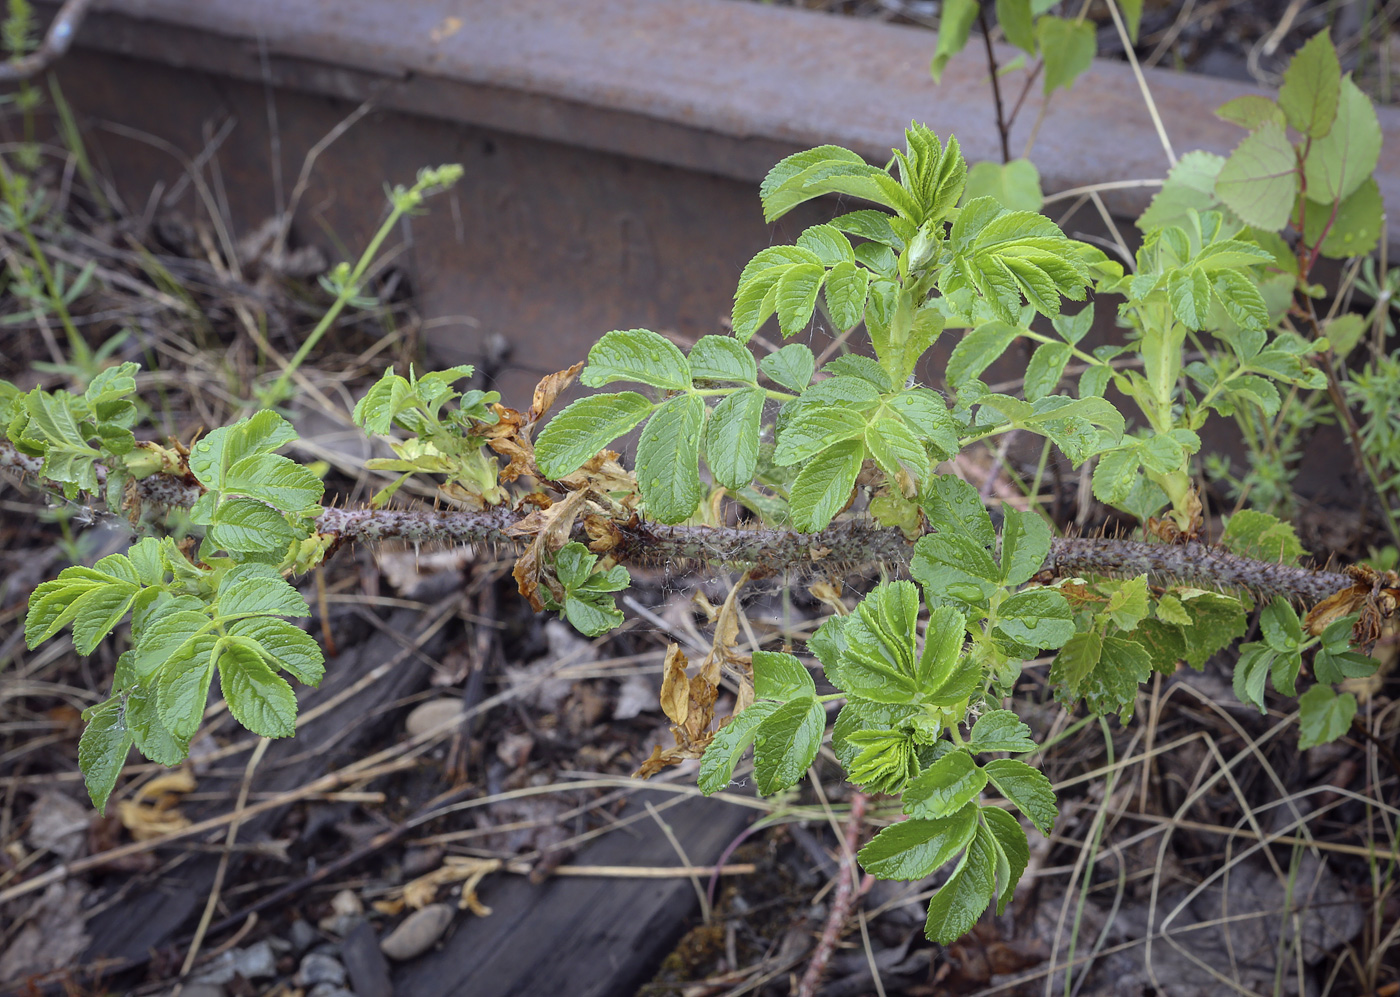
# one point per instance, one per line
(258, 697)
(721, 358)
(824, 484)
(732, 438)
(1027, 788)
(947, 785)
(668, 457)
(588, 602)
(1000, 730)
(1340, 161)
(247, 526)
(729, 744)
(792, 367)
(1259, 182)
(781, 676)
(283, 646)
(1312, 84)
(259, 590)
(103, 748)
(786, 742)
(636, 355)
(1039, 618)
(586, 427)
(960, 901)
(1323, 716)
(913, 849)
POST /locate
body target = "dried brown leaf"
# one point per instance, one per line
(549, 389)
(550, 529)
(675, 687)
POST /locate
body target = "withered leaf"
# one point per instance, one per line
(550, 529)
(550, 388)
(675, 686)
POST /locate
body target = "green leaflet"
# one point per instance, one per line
(913, 849)
(257, 697)
(1323, 716)
(1068, 48)
(1027, 788)
(668, 456)
(824, 484)
(258, 590)
(1259, 182)
(792, 367)
(786, 742)
(213, 456)
(961, 900)
(1347, 155)
(1014, 852)
(780, 676)
(636, 355)
(588, 601)
(93, 599)
(954, 27)
(729, 744)
(586, 427)
(102, 749)
(720, 358)
(944, 787)
(1311, 87)
(1000, 730)
(732, 438)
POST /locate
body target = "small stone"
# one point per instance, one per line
(418, 933)
(346, 911)
(328, 990)
(256, 962)
(303, 935)
(199, 990)
(365, 963)
(433, 714)
(347, 902)
(317, 968)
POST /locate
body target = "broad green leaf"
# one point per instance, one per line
(1323, 716)
(258, 697)
(828, 244)
(636, 355)
(586, 427)
(1015, 185)
(1017, 24)
(943, 644)
(148, 733)
(668, 456)
(275, 479)
(951, 565)
(1311, 86)
(93, 599)
(1251, 670)
(211, 458)
(591, 616)
(780, 676)
(102, 749)
(781, 191)
(846, 287)
(285, 646)
(722, 358)
(1164, 643)
(913, 849)
(1112, 686)
(1255, 534)
(824, 484)
(1025, 543)
(1127, 606)
(954, 27)
(944, 787)
(978, 349)
(895, 448)
(1345, 331)
(1014, 852)
(1046, 366)
(1027, 788)
(1355, 227)
(1039, 618)
(1000, 730)
(813, 430)
(796, 296)
(732, 438)
(1076, 661)
(1279, 625)
(1190, 186)
(728, 746)
(1251, 111)
(1259, 182)
(259, 589)
(184, 687)
(1115, 474)
(244, 525)
(961, 900)
(792, 367)
(1340, 161)
(952, 505)
(1216, 621)
(1068, 49)
(786, 742)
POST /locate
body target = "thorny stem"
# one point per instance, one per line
(841, 545)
